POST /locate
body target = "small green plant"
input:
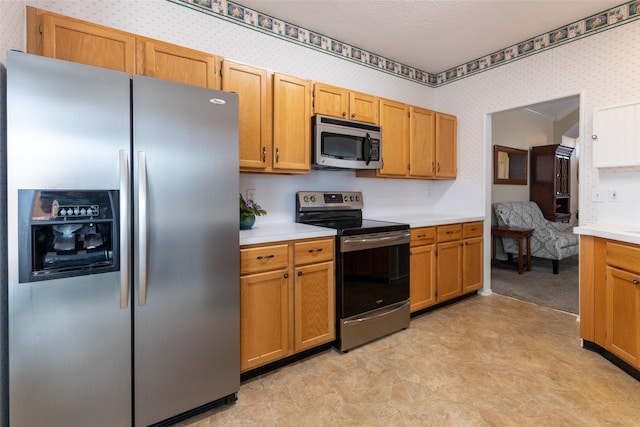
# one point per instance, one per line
(248, 207)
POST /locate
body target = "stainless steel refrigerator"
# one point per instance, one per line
(122, 240)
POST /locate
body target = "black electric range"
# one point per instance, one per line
(372, 266)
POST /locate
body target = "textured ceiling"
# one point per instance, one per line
(431, 35)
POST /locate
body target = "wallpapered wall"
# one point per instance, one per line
(600, 67)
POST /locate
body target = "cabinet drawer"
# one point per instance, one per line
(314, 251)
(264, 258)
(448, 233)
(472, 229)
(623, 256)
(423, 236)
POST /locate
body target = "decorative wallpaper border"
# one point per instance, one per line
(235, 12)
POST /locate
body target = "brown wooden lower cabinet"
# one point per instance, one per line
(446, 262)
(422, 268)
(287, 299)
(610, 297)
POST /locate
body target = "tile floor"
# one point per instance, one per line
(484, 361)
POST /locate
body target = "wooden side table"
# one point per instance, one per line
(520, 234)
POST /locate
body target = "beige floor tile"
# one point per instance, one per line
(484, 361)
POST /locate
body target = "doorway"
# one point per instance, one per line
(547, 123)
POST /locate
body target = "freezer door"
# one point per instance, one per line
(69, 338)
(186, 248)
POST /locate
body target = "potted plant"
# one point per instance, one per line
(248, 212)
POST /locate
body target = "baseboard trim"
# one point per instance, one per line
(635, 373)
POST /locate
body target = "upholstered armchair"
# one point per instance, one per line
(549, 240)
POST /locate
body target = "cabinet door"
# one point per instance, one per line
(422, 277)
(330, 100)
(622, 322)
(446, 140)
(363, 107)
(170, 62)
(264, 318)
(314, 305)
(250, 83)
(394, 119)
(422, 140)
(292, 123)
(615, 136)
(78, 41)
(472, 264)
(449, 270)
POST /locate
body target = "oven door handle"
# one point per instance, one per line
(390, 309)
(350, 244)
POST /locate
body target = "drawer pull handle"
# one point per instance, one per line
(266, 257)
(449, 232)
(636, 282)
(311, 251)
(421, 236)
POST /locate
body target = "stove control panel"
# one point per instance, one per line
(319, 200)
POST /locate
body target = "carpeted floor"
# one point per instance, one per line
(540, 286)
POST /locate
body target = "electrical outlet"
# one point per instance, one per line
(251, 194)
(614, 195)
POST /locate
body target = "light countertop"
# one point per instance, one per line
(267, 233)
(276, 232)
(427, 219)
(629, 233)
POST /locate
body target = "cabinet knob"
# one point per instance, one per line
(344, 114)
(353, 115)
(594, 137)
(286, 275)
(636, 282)
(299, 273)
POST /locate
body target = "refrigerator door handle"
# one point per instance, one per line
(142, 227)
(124, 229)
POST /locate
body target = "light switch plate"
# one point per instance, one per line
(597, 194)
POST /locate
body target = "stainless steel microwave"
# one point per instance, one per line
(346, 144)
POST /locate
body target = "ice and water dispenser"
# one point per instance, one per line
(67, 233)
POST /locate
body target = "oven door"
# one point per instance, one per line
(372, 271)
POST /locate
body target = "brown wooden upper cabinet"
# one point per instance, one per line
(291, 124)
(446, 143)
(176, 63)
(416, 143)
(252, 84)
(422, 154)
(339, 102)
(70, 39)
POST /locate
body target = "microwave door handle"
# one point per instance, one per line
(367, 155)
